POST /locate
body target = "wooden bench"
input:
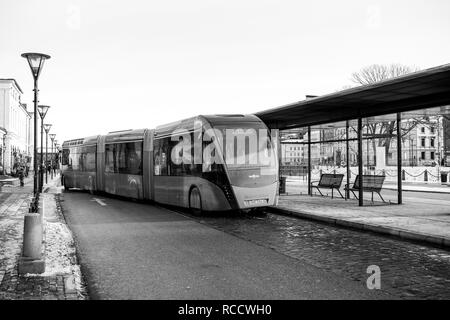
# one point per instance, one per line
(371, 183)
(329, 181)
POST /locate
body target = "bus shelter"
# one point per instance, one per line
(372, 125)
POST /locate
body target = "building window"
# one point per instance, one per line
(422, 143)
(422, 155)
(432, 155)
(432, 142)
(432, 129)
(422, 129)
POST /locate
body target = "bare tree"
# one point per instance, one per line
(379, 72)
(384, 130)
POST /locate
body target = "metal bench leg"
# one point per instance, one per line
(372, 196)
(340, 193)
(332, 195)
(381, 197)
(354, 194)
(319, 191)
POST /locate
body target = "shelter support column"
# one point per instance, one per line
(399, 158)
(360, 164)
(347, 159)
(275, 133)
(309, 161)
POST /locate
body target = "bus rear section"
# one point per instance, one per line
(121, 166)
(79, 164)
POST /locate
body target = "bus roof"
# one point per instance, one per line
(221, 119)
(125, 135)
(166, 129)
(215, 119)
(79, 142)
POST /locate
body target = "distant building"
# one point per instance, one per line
(422, 146)
(425, 143)
(295, 151)
(292, 152)
(16, 125)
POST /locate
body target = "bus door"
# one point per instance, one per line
(148, 183)
(101, 163)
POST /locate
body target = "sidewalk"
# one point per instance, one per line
(419, 187)
(302, 183)
(425, 220)
(62, 277)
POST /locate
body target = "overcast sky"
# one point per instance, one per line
(133, 64)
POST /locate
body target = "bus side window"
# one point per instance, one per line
(65, 156)
(164, 158)
(134, 157)
(89, 158)
(109, 158)
(81, 160)
(156, 158)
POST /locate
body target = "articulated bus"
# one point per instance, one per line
(205, 163)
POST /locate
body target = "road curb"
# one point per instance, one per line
(425, 191)
(397, 232)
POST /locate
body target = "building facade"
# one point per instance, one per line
(292, 152)
(423, 144)
(16, 127)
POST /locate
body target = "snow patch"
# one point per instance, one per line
(60, 253)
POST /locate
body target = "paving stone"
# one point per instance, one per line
(13, 205)
(407, 269)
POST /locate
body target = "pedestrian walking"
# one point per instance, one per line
(21, 173)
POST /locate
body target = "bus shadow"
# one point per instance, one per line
(161, 215)
(118, 209)
(226, 214)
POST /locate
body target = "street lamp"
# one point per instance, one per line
(47, 127)
(52, 138)
(36, 62)
(57, 152)
(42, 112)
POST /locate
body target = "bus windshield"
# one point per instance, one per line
(248, 153)
(246, 145)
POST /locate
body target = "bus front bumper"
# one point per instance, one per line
(255, 197)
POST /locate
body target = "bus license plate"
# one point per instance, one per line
(256, 202)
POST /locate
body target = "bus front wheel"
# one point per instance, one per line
(195, 201)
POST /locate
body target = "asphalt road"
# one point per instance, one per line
(132, 250)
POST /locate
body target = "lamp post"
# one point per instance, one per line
(58, 146)
(52, 138)
(36, 63)
(47, 127)
(42, 112)
(57, 152)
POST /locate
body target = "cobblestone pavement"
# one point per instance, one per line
(408, 270)
(49, 286)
